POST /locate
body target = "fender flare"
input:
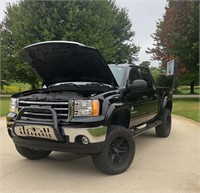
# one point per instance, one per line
(166, 104)
(113, 109)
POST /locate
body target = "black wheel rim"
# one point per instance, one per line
(118, 151)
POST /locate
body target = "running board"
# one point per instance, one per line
(138, 131)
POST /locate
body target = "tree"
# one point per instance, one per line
(155, 73)
(145, 64)
(100, 24)
(177, 37)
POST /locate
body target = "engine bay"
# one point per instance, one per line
(58, 96)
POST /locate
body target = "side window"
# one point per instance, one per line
(133, 75)
(146, 75)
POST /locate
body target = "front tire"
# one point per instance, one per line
(32, 154)
(117, 153)
(164, 129)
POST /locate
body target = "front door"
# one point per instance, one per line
(137, 100)
(151, 93)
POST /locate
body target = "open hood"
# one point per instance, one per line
(64, 61)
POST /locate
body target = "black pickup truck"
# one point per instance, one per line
(86, 106)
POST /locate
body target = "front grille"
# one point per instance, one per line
(61, 109)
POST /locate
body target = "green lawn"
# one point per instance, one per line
(4, 105)
(186, 90)
(189, 107)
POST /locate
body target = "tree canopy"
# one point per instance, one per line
(145, 64)
(100, 24)
(177, 37)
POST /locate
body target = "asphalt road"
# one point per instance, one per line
(170, 165)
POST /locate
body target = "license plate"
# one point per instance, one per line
(39, 131)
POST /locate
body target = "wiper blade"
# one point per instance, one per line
(71, 84)
(64, 84)
(100, 84)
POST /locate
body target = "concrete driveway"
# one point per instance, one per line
(170, 165)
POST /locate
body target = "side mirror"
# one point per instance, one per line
(138, 85)
(43, 85)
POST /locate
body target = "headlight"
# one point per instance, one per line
(14, 105)
(86, 108)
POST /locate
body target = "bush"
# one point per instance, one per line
(164, 81)
(15, 87)
(10, 89)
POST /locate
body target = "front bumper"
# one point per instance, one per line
(58, 146)
(64, 137)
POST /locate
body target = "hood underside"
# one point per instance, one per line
(63, 61)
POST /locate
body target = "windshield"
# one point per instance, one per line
(118, 72)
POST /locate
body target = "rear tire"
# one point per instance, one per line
(32, 154)
(117, 153)
(164, 129)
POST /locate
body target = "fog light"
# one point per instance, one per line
(84, 140)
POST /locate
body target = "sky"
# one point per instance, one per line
(143, 14)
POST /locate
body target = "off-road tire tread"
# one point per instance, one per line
(162, 130)
(99, 159)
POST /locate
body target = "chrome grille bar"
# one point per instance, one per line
(61, 109)
(42, 114)
(44, 103)
(39, 114)
(35, 119)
